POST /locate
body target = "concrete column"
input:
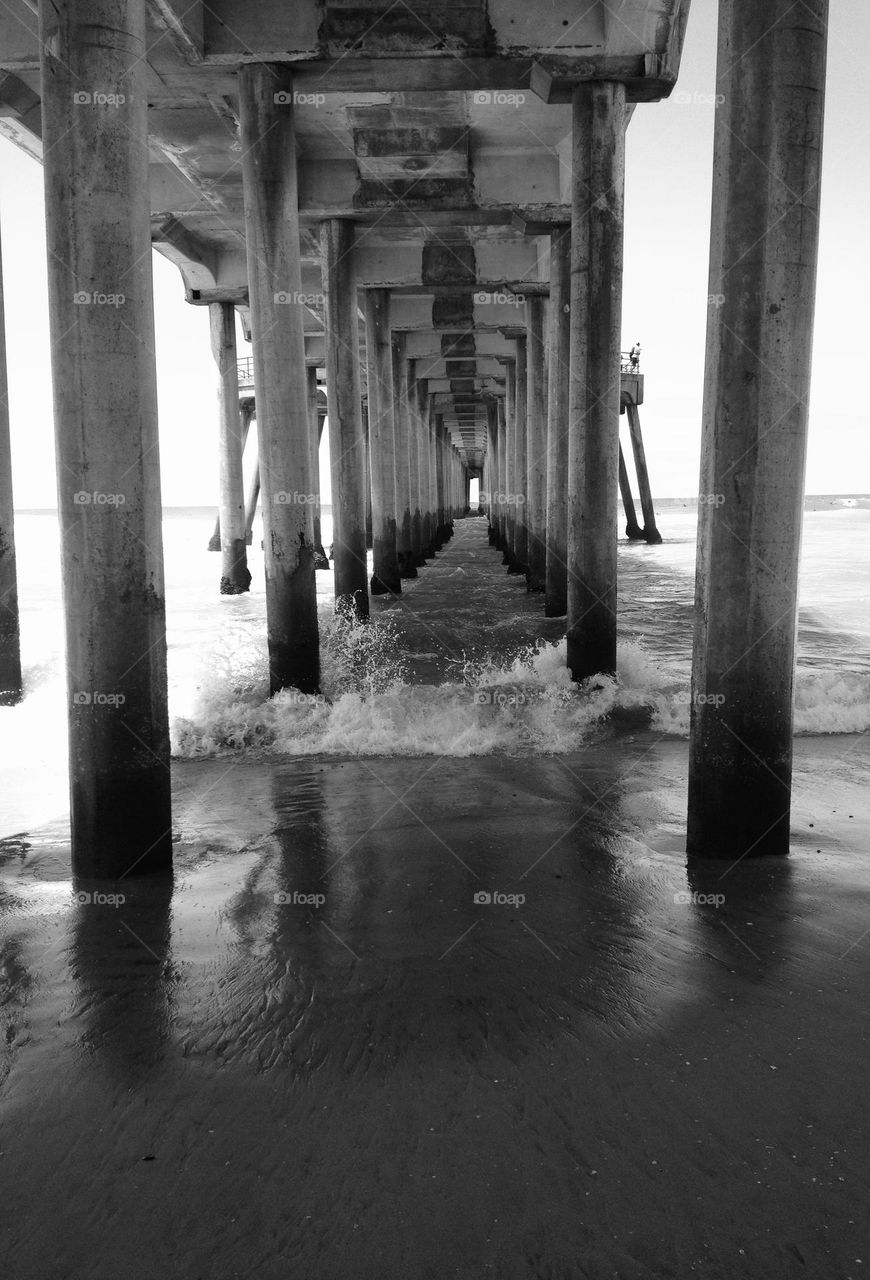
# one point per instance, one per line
(417, 465)
(650, 532)
(420, 395)
(598, 180)
(347, 443)
(251, 500)
(509, 489)
(105, 410)
(521, 455)
(379, 357)
(556, 601)
(235, 578)
(501, 473)
(536, 430)
(316, 419)
(404, 477)
(633, 530)
(763, 259)
(283, 426)
(368, 475)
(246, 411)
(10, 642)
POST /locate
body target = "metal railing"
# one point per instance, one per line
(245, 370)
(629, 361)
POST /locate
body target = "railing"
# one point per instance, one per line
(245, 370)
(630, 361)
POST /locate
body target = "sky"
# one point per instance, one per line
(669, 152)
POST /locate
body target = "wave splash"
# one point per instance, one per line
(526, 705)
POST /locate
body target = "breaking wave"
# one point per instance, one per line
(525, 705)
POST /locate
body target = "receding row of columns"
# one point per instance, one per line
(763, 263)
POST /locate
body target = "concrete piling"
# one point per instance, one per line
(105, 410)
(235, 578)
(10, 639)
(347, 442)
(283, 424)
(386, 576)
(556, 598)
(763, 259)
(598, 180)
(536, 449)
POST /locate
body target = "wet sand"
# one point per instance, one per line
(216, 1079)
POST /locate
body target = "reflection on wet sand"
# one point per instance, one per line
(438, 1018)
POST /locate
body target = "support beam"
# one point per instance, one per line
(633, 531)
(235, 578)
(556, 599)
(379, 358)
(650, 530)
(347, 443)
(597, 191)
(283, 428)
(105, 412)
(10, 640)
(763, 261)
(536, 430)
(403, 473)
(521, 457)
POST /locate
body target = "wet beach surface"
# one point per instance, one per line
(316, 1055)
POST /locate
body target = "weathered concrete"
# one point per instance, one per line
(763, 258)
(650, 530)
(598, 181)
(379, 358)
(558, 385)
(283, 424)
(416, 464)
(316, 418)
(235, 578)
(520, 491)
(105, 409)
(246, 411)
(536, 434)
(633, 530)
(404, 477)
(347, 444)
(10, 640)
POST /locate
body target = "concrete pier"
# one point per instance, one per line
(650, 529)
(347, 445)
(633, 530)
(283, 425)
(235, 578)
(316, 418)
(558, 386)
(520, 492)
(598, 180)
(379, 357)
(404, 475)
(763, 257)
(105, 410)
(10, 639)
(536, 424)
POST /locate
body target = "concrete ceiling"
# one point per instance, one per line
(442, 128)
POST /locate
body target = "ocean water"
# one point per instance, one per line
(217, 662)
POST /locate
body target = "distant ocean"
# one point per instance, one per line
(217, 671)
